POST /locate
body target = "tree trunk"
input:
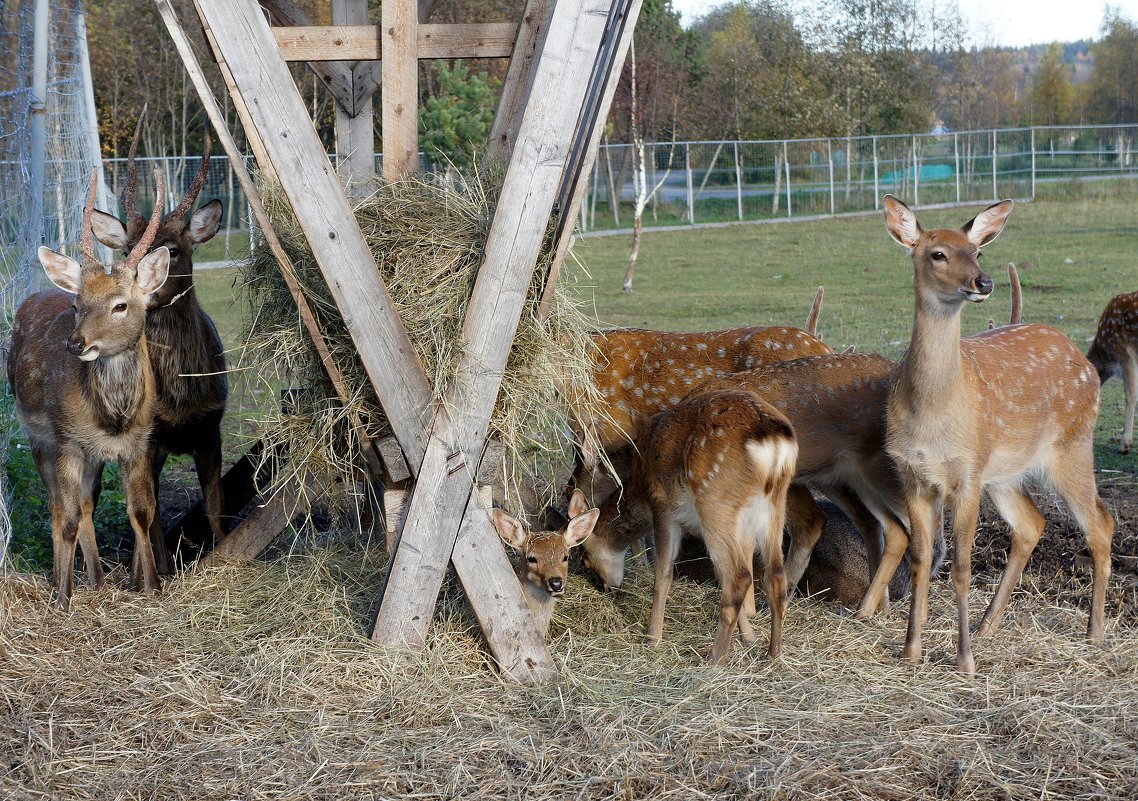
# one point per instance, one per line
(637, 225)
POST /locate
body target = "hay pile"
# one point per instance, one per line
(258, 682)
(427, 238)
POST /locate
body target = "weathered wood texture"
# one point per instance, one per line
(257, 531)
(519, 78)
(399, 21)
(362, 42)
(335, 76)
(529, 189)
(355, 131)
(276, 111)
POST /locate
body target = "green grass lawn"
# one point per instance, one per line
(1082, 250)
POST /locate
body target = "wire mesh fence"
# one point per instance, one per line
(736, 180)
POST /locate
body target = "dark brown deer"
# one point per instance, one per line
(982, 414)
(85, 393)
(186, 353)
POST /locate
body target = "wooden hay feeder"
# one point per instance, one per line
(566, 59)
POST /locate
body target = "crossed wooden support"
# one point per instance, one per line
(562, 78)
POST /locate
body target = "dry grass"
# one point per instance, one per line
(427, 239)
(258, 682)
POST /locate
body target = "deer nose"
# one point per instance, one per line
(984, 285)
(556, 584)
(76, 345)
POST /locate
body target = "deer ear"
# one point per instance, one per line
(901, 222)
(986, 225)
(63, 271)
(510, 529)
(580, 527)
(205, 222)
(109, 230)
(578, 504)
(153, 270)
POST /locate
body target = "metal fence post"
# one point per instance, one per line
(916, 175)
(691, 199)
(876, 187)
(995, 192)
(786, 168)
(830, 159)
(1033, 162)
(956, 161)
(738, 181)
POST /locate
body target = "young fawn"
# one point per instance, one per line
(186, 353)
(80, 370)
(984, 413)
(544, 566)
(1115, 352)
(719, 464)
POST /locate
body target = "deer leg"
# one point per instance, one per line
(207, 459)
(965, 513)
(667, 538)
(92, 486)
(1130, 388)
(897, 541)
(162, 560)
(1021, 513)
(140, 506)
(45, 459)
(806, 520)
(775, 579)
(70, 487)
(731, 545)
(1072, 475)
(920, 512)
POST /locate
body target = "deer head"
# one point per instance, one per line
(546, 553)
(110, 304)
(174, 232)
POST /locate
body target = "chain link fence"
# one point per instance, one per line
(708, 182)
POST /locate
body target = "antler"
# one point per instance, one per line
(133, 217)
(199, 181)
(147, 239)
(86, 252)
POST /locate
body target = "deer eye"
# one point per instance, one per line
(564, 558)
(938, 256)
(532, 560)
(119, 307)
(173, 254)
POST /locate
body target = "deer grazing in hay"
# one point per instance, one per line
(544, 567)
(1115, 352)
(186, 353)
(85, 393)
(719, 463)
(984, 413)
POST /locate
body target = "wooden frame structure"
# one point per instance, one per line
(566, 58)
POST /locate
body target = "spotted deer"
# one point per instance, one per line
(186, 353)
(718, 464)
(982, 414)
(1115, 352)
(85, 393)
(544, 566)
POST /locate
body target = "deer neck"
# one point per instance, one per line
(932, 370)
(119, 387)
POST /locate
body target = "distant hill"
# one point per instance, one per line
(1077, 54)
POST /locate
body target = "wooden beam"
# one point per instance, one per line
(337, 77)
(399, 20)
(263, 525)
(517, 232)
(294, 152)
(355, 131)
(588, 139)
(362, 42)
(519, 78)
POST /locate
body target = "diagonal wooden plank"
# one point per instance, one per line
(529, 189)
(277, 111)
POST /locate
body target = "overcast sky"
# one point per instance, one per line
(1009, 22)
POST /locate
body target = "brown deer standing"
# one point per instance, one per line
(1115, 352)
(984, 413)
(719, 464)
(544, 567)
(186, 353)
(85, 393)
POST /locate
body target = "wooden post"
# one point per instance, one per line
(400, 86)
(355, 129)
(519, 78)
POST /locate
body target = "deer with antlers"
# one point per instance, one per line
(186, 353)
(79, 367)
(982, 414)
(1115, 352)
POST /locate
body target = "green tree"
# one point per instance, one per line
(1112, 92)
(454, 122)
(1052, 93)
